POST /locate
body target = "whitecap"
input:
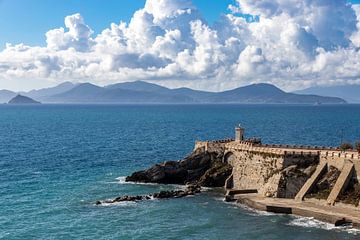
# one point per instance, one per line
(249, 210)
(255, 212)
(122, 180)
(121, 204)
(309, 222)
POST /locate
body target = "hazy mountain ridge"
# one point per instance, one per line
(350, 93)
(6, 96)
(144, 92)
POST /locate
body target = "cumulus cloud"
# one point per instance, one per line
(78, 36)
(292, 43)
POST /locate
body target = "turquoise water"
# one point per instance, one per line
(56, 161)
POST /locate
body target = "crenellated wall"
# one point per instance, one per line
(212, 146)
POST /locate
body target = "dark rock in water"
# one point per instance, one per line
(190, 190)
(19, 99)
(203, 168)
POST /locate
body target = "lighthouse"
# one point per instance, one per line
(239, 133)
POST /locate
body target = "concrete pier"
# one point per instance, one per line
(336, 215)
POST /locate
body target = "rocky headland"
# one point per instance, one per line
(199, 169)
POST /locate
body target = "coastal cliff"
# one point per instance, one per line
(201, 168)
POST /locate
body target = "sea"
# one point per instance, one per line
(56, 161)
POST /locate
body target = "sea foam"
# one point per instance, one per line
(313, 223)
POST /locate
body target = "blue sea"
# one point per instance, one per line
(56, 161)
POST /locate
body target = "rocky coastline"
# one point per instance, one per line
(199, 169)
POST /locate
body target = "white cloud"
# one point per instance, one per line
(355, 38)
(78, 36)
(294, 44)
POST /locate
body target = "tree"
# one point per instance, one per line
(357, 146)
(346, 146)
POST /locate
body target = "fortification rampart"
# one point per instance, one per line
(217, 146)
(261, 166)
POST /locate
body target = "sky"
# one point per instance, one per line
(34, 18)
(201, 44)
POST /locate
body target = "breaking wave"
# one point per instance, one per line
(313, 223)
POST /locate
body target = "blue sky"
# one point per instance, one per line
(24, 21)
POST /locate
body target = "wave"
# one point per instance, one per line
(250, 211)
(121, 204)
(313, 223)
(122, 180)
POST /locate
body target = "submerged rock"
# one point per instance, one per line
(190, 190)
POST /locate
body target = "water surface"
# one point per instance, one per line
(57, 160)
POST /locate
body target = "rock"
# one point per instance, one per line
(329, 180)
(190, 190)
(269, 194)
(216, 175)
(291, 181)
(310, 170)
(200, 167)
(326, 183)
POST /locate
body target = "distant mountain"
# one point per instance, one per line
(266, 93)
(351, 93)
(44, 93)
(19, 99)
(139, 86)
(6, 95)
(143, 92)
(119, 93)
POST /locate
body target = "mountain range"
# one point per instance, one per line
(351, 93)
(144, 92)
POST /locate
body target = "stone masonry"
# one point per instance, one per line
(265, 168)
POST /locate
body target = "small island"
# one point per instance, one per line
(19, 100)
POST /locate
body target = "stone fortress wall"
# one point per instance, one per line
(260, 167)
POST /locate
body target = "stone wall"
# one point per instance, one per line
(270, 169)
(255, 170)
(266, 168)
(212, 146)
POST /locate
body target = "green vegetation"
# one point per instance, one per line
(346, 146)
(357, 146)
